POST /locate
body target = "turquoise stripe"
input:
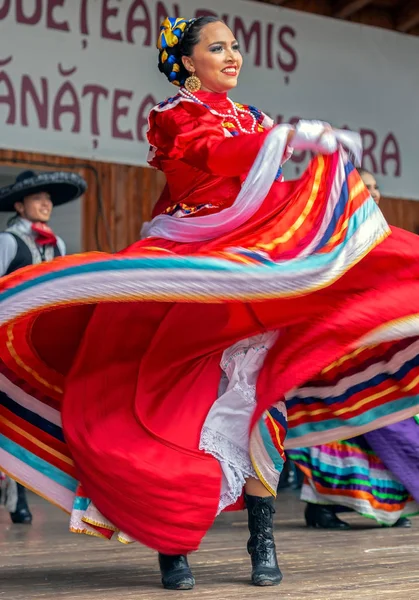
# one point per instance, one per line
(270, 447)
(38, 464)
(295, 432)
(323, 465)
(122, 264)
(313, 262)
(81, 503)
(341, 470)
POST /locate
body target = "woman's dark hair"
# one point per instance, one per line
(362, 172)
(170, 59)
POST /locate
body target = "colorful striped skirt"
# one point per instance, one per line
(111, 364)
(350, 475)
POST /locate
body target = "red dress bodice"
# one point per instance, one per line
(204, 156)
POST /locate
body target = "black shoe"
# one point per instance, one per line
(318, 515)
(284, 478)
(261, 544)
(21, 517)
(175, 572)
(403, 522)
(22, 514)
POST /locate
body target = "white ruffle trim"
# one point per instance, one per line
(225, 434)
(235, 464)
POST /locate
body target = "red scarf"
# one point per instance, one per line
(44, 234)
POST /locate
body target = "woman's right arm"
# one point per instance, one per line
(200, 141)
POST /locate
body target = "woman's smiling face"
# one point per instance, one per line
(216, 59)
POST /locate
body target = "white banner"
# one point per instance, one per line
(78, 77)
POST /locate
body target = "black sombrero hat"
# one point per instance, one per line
(61, 185)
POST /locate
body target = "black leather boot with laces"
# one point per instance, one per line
(261, 544)
(175, 572)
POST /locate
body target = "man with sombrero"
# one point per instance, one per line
(29, 240)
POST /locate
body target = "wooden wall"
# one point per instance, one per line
(401, 213)
(129, 194)
(384, 13)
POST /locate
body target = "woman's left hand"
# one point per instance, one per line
(321, 138)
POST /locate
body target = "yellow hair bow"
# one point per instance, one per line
(171, 31)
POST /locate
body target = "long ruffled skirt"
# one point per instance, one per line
(376, 475)
(111, 364)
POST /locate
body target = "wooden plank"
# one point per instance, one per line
(276, 2)
(46, 562)
(347, 8)
(374, 16)
(321, 7)
(408, 17)
(369, 12)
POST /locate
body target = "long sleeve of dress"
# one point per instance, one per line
(196, 137)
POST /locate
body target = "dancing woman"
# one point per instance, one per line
(177, 364)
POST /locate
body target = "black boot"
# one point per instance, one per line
(22, 514)
(318, 515)
(261, 544)
(403, 522)
(175, 572)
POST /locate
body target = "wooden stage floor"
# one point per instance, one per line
(46, 562)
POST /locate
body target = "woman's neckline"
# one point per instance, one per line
(211, 98)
